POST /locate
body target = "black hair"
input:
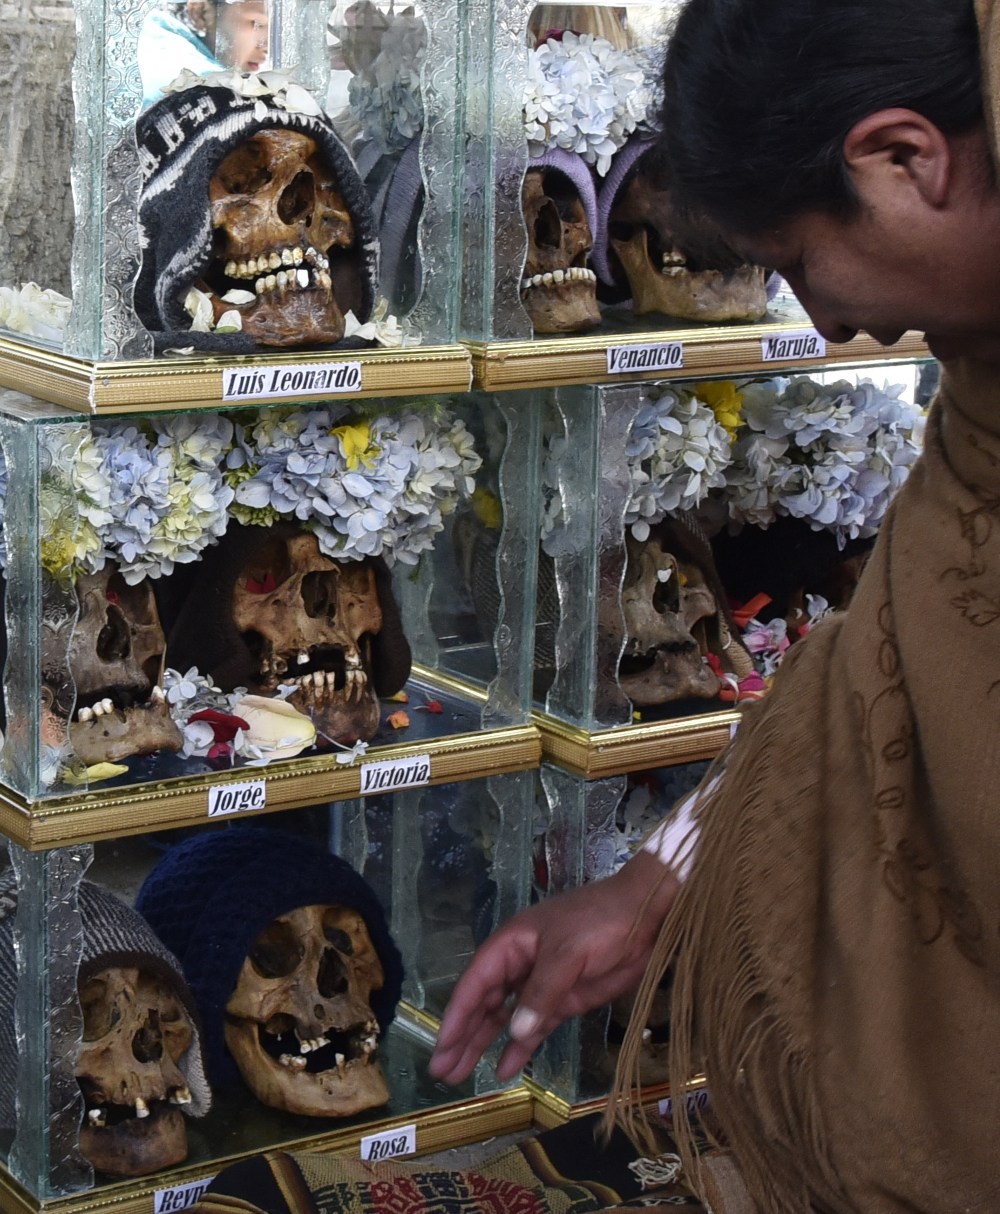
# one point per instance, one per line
(760, 94)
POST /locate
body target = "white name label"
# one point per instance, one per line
(390, 1144)
(236, 798)
(802, 343)
(669, 356)
(179, 1198)
(305, 379)
(395, 773)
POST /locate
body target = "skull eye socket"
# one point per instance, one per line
(244, 171)
(340, 940)
(269, 570)
(99, 1014)
(276, 952)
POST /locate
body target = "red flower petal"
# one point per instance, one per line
(224, 724)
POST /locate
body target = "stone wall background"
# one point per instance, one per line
(36, 128)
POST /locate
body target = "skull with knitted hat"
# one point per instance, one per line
(139, 1061)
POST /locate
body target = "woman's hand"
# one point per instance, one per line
(565, 956)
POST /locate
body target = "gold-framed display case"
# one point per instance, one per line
(179, 999)
(729, 515)
(572, 275)
(299, 160)
(306, 565)
(497, 448)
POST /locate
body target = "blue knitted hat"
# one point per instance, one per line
(210, 897)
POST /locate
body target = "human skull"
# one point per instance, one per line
(135, 1034)
(558, 290)
(311, 620)
(668, 608)
(662, 278)
(116, 657)
(299, 1022)
(654, 1052)
(280, 225)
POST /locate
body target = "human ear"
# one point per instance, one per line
(903, 148)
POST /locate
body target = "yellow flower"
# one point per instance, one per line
(487, 508)
(725, 402)
(356, 444)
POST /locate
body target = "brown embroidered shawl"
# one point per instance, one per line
(837, 946)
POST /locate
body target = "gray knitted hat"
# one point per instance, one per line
(182, 140)
(113, 935)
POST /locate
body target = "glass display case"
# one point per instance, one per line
(572, 275)
(268, 596)
(178, 999)
(586, 830)
(243, 178)
(728, 516)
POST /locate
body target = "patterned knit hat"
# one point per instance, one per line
(182, 141)
(114, 935)
(210, 897)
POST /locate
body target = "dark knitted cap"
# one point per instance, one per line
(114, 935)
(182, 140)
(211, 896)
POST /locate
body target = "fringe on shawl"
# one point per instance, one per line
(721, 1019)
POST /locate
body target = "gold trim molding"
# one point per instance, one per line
(615, 752)
(196, 382)
(112, 813)
(509, 365)
(469, 1121)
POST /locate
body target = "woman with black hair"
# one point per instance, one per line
(833, 919)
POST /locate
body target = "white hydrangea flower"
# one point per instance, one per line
(35, 311)
(584, 95)
(366, 486)
(831, 454)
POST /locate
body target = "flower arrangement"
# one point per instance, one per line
(154, 494)
(277, 87)
(34, 311)
(677, 452)
(585, 95)
(676, 455)
(377, 486)
(147, 496)
(831, 454)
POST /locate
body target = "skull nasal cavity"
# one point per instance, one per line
(319, 594)
(332, 978)
(297, 201)
(147, 1044)
(548, 226)
(113, 641)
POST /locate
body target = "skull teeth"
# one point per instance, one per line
(292, 279)
(311, 1043)
(141, 1107)
(555, 277)
(180, 1096)
(674, 263)
(97, 1118)
(355, 681)
(293, 1062)
(103, 707)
